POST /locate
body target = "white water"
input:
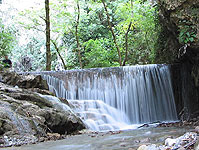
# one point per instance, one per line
(99, 116)
(142, 93)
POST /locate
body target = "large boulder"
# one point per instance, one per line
(26, 116)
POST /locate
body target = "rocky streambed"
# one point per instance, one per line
(141, 139)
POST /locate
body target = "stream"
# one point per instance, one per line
(121, 140)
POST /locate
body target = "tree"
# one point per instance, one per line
(113, 33)
(48, 51)
(76, 34)
(7, 39)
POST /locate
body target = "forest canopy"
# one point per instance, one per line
(84, 34)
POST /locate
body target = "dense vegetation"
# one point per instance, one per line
(7, 39)
(93, 34)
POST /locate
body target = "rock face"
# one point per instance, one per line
(180, 46)
(26, 116)
(180, 19)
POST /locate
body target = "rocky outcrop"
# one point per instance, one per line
(24, 81)
(180, 19)
(180, 45)
(26, 116)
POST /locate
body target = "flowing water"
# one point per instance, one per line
(139, 94)
(125, 140)
(99, 116)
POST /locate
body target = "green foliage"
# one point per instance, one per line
(94, 33)
(7, 39)
(98, 54)
(97, 46)
(186, 33)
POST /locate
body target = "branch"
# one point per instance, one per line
(113, 34)
(57, 49)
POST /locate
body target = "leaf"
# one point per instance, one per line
(191, 39)
(188, 34)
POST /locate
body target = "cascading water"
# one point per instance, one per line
(99, 116)
(143, 93)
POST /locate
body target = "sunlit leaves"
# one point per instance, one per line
(7, 39)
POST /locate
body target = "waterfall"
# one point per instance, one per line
(99, 116)
(143, 92)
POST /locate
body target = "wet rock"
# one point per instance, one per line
(44, 92)
(26, 117)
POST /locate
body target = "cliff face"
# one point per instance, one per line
(180, 46)
(180, 18)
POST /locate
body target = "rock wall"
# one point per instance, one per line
(180, 46)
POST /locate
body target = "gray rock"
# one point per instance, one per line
(23, 81)
(26, 116)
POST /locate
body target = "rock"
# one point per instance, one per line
(196, 146)
(123, 144)
(142, 147)
(149, 147)
(170, 142)
(179, 44)
(26, 117)
(197, 129)
(22, 81)
(44, 92)
(2, 141)
(54, 136)
(180, 143)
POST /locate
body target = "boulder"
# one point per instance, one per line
(24, 81)
(26, 116)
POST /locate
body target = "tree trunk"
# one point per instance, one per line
(113, 34)
(77, 37)
(57, 49)
(48, 52)
(126, 38)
